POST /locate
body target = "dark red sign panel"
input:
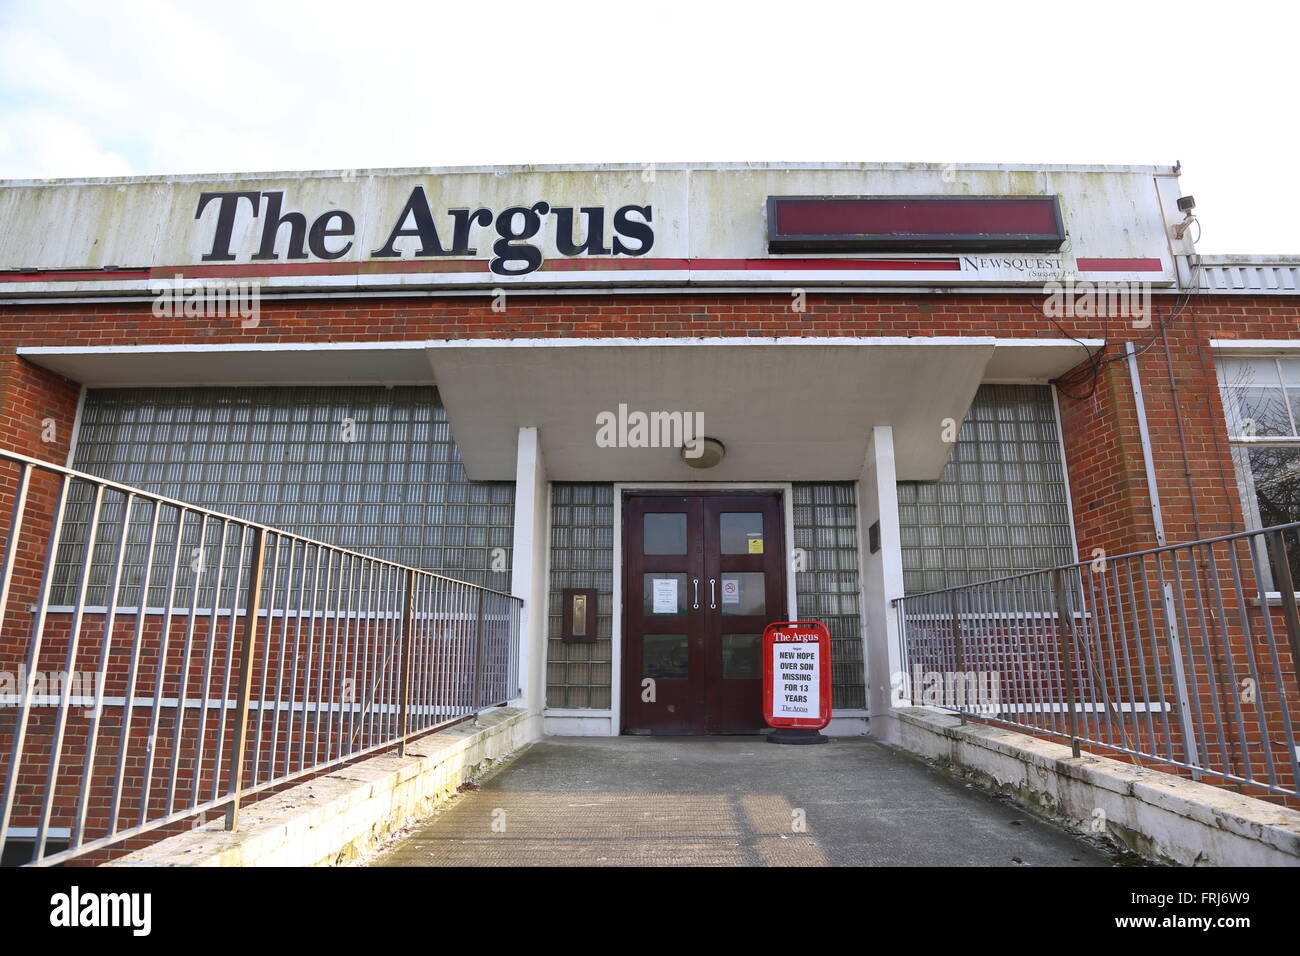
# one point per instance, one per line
(913, 223)
(797, 675)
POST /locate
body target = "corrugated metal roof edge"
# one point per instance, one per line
(1249, 274)
(1243, 259)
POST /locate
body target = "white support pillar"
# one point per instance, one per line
(528, 568)
(882, 579)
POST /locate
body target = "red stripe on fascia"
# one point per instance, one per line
(73, 275)
(869, 265)
(1120, 265)
(255, 270)
(612, 265)
(319, 268)
(561, 265)
(753, 265)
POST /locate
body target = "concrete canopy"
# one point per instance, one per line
(334, 363)
(786, 409)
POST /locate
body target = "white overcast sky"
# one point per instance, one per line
(104, 88)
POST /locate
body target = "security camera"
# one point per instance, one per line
(1185, 205)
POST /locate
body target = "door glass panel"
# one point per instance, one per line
(742, 532)
(741, 656)
(742, 593)
(665, 534)
(663, 593)
(665, 656)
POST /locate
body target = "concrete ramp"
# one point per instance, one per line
(729, 801)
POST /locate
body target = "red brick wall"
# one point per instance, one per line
(1107, 481)
(1198, 491)
(35, 404)
(541, 316)
(1100, 432)
(31, 397)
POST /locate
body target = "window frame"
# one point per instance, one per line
(1239, 444)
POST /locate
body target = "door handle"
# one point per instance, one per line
(713, 601)
(696, 603)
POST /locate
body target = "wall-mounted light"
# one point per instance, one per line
(705, 453)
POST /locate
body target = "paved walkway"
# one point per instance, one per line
(729, 801)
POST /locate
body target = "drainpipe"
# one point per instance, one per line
(1190, 747)
(1153, 492)
(1182, 437)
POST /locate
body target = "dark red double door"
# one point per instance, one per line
(703, 575)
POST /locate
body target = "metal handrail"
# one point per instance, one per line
(1166, 654)
(1292, 526)
(50, 467)
(309, 656)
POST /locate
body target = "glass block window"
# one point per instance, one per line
(582, 556)
(826, 530)
(1000, 505)
(1261, 401)
(373, 469)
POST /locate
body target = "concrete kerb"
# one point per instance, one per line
(340, 816)
(1159, 816)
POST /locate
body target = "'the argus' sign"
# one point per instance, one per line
(515, 252)
(797, 675)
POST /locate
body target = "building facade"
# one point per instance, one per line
(662, 405)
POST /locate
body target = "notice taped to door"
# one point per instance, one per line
(730, 590)
(664, 600)
(797, 675)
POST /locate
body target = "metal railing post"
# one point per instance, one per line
(247, 651)
(1065, 636)
(959, 650)
(1178, 668)
(904, 656)
(408, 618)
(1286, 587)
(478, 653)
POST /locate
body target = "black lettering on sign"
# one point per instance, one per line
(529, 219)
(463, 219)
(322, 230)
(631, 229)
(227, 205)
(514, 254)
(595, 241)
(271, 225)
(417, 207)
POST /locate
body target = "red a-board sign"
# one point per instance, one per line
(797, 675)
